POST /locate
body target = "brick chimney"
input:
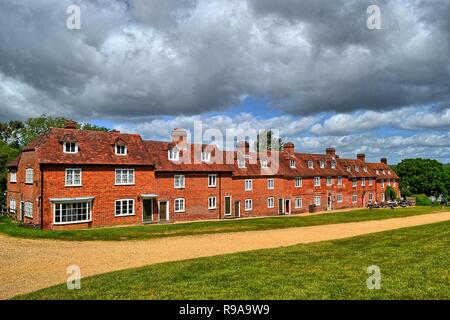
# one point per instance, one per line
(362, 157)
(179, 137)
(70, 124)
(331, 152)
(289, 147)
(384, 160)
(243, 147)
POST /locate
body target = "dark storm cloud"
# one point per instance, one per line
(135, 59)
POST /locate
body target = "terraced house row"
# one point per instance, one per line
(69, 178)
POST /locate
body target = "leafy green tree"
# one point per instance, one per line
(265, 141)
(390, 193)
(7, 154)
(422, 176)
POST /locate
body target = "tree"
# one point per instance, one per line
(422, 176)
(390, 193)
(265, 141)
(7, 154)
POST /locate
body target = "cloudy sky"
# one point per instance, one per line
(309, 68)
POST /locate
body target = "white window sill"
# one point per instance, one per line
(124, 215)
(125, 184)
(183, 211)
(73, 185)
(72, 222)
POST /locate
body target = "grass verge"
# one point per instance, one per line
(142, 232)
(414, 264)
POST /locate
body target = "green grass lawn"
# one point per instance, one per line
(414, 264)
(195, 228)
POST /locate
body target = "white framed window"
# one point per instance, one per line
(212, 203)
(29, 175)
(370, 182)
(293, 164)
(206, 156)
(248, 185)
(339, 181)
(270, 184)
(363, 182)
(248, 204)
(355, 183)
(270, 202)
(356, 168)
(355, 198)
(212, 180)
(12, 205)
(264, 164)
(124, 177)
(322, 164)
(383, 197)
(178, 205)
(310, 164)
(298, 203)
(13, 175)
(173, 154)
(298, 182)
(70, 147)
(317, 200)
(340, 198)
(73, 178)
(394, 182)
(333, 164)
(382, 183)
(389, 182)
(241, 163)
(121, 150)
(28, 210)
(370, 196)
(179, 181)
(124, 207)
(378, 172)
(365, 168)
(76, 212)
(329, 181)
(316, 181)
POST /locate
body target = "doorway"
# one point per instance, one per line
(21, 213)
(147, 213)
(237, 209)
(287, 206)
(163, 211)
(227, 206)
(329, 202)
(280, 206)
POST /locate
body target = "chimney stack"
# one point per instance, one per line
(384, 160)
(362, 157)
(289, 147)
(70, 124)
(179, 137)
(331, 152)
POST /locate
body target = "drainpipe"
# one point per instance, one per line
(42, 196)
(220, 195)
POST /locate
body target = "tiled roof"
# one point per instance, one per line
(14, 163)
(96, 147)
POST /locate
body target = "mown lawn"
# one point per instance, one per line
(11, 228)
(414, 264)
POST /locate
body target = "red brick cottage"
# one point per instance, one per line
(69, 178)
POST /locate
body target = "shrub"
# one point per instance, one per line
(422, 200)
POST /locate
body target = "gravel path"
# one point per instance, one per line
(29, 265)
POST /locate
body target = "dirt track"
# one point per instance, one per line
(29, 265)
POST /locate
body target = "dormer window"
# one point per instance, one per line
(384, 172)
(349, 169)
(322, 164)
(310, 164)
(356, 168)
(121, 150)
(206, 156)
(264, 163)
(241, 163)
(365, 169)
(173, 155)
(333, 164)
(293, 164)
(70, 147)
(378, 172)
